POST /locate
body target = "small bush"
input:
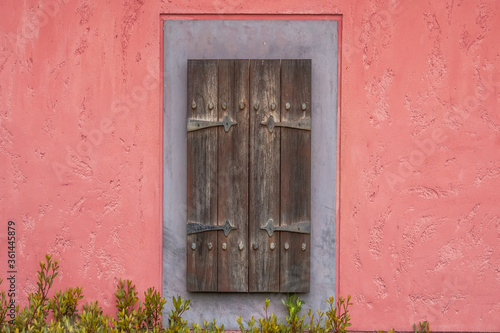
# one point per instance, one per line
(132, 315)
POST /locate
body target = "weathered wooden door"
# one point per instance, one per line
(249, 175)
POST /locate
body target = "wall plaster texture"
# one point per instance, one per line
(419, 221)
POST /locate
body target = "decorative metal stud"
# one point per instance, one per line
(287, 246)
(210, 246)
(256, 106)
(240, 246)
(224, 246)
(255, 246)
(303, 247)
(210, 106)
(273, 106)
(272, 246)
(224, 105)
(242, 105)
(304, 106)
(287, 106)
(193, 105)
(193, 246)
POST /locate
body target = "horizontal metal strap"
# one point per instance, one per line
(198, 124)
(302, 124)
(195, 227)
(300, 227)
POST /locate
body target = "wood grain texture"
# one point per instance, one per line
(202, 176)
(295, 175)
(249, 175)
(264, 180)
(233, 176)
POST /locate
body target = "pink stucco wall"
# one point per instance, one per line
(419, 220)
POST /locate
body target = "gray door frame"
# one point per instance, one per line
(250, 39)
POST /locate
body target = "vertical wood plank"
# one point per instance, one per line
(202, 176)
(295, 176)
(264, 180)
(233, 176)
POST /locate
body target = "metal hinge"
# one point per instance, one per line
(302, 124)
(197, 124)
(195, 227)
(300, 227)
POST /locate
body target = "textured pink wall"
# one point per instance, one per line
(79, 142)
(80, 155)
(420, 164)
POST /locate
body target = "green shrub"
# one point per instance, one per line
(4, 307)
(153, 308)
(338, 317)
(293, 307)
(34, 316)
(65, 304)
(423, 327)
(132, 315)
